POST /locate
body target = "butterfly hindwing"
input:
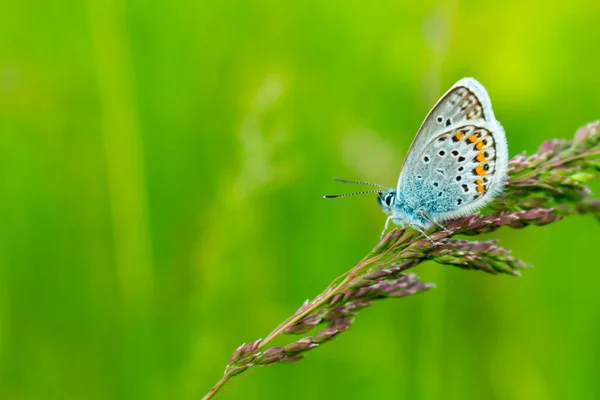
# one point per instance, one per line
(457, 171)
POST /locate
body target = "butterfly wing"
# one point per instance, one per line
(467, 100)
(457, 171)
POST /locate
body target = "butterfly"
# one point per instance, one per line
(456, 164)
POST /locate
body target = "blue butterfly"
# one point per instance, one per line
(456, 164)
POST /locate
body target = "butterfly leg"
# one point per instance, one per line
(430, 219)
(387, 222)
(422, 232)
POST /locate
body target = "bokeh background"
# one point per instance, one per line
(161, 167)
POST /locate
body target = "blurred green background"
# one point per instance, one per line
(161, 167)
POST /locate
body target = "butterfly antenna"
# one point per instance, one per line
(359, 182)
(337, 196)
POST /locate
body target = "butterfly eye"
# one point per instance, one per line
(388, 199)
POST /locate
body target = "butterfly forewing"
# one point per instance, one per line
(466, 101)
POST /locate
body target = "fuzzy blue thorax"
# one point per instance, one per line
(399, 212)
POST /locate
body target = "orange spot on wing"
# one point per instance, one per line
(472, 138)
(479, 170)
(479, 182)
(480, 157)
(479, 145)
(480, 189)
(459, 136)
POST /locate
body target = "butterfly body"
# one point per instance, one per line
(456, 164)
